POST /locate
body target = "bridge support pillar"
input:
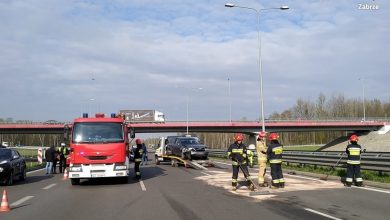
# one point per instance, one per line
(252, 140)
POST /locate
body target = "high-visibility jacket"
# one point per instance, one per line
(261, 149)
(64, 152)
(250, 156)
(274, 153)
(354, 151)
(237, 152)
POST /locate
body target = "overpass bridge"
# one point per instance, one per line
(247, 127)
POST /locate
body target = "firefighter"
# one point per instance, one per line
(64, 152)
(138, 151)
(261, 149)
(237, 152)
(274, 153)
(354, 151)
(250, 156)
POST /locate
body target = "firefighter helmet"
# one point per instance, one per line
(238, 137)
(138, 141)
(354, 137)
(262, 134)
(273, 136)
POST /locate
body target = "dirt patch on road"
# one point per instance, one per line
(293, 183)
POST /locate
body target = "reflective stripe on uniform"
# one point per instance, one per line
(354, 151)
(229, 153)
(237, 151)
(353, 161)
(277, 150)
(359, 179)
(234, 180)
(138, 173)
(275, 161)
(137, 160)
(234, 163)
(348, 180)
(275, 181)
(281, 180)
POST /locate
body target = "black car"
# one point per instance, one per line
(188, 148)
(12, 165)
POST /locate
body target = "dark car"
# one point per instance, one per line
(12, 165)
(188, 148)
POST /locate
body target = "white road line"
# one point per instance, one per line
(20, 201)
(302, 177)
(206, 173)
(372, 189)
(49, 186)
(35, 171)
(323, 214)
(142, 185)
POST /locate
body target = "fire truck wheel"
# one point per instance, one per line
(157, 161)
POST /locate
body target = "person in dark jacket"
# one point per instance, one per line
(56, 159)
(49, 155)
(274, 154)
(238, 153)
(354, 151)
(144, 155)
(138, 151)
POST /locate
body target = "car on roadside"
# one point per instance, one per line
(188, 148)
(12, 166)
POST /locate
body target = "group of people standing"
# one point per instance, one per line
(272, 153)
(238, 152)
(54, 156)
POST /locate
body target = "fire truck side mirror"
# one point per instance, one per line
(132, 133)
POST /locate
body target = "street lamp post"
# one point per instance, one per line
(364, 104)
(230, 101)
(231, 5)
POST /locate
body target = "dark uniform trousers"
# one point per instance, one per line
(236, 168)
(353, 165)
(136, 167)
(277, 174)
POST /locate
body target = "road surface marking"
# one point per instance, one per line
(142, 185)
(323, 214)
(302, 177)
(372, 189)
(35, 171)
(20, 201)
(206, 174)
(49, 186)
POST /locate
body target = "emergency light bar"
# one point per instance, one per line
(99, 115)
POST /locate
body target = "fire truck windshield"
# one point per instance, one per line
(97, 132)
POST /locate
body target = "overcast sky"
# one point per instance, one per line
(61, 58)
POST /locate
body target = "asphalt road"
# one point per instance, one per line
(167, 192)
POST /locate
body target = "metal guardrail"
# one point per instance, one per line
(376, 161)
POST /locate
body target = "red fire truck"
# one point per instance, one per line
(98, 148)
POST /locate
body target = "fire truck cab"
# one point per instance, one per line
(98, 148)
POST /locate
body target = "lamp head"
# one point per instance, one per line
(284, 7)
(229, 5)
